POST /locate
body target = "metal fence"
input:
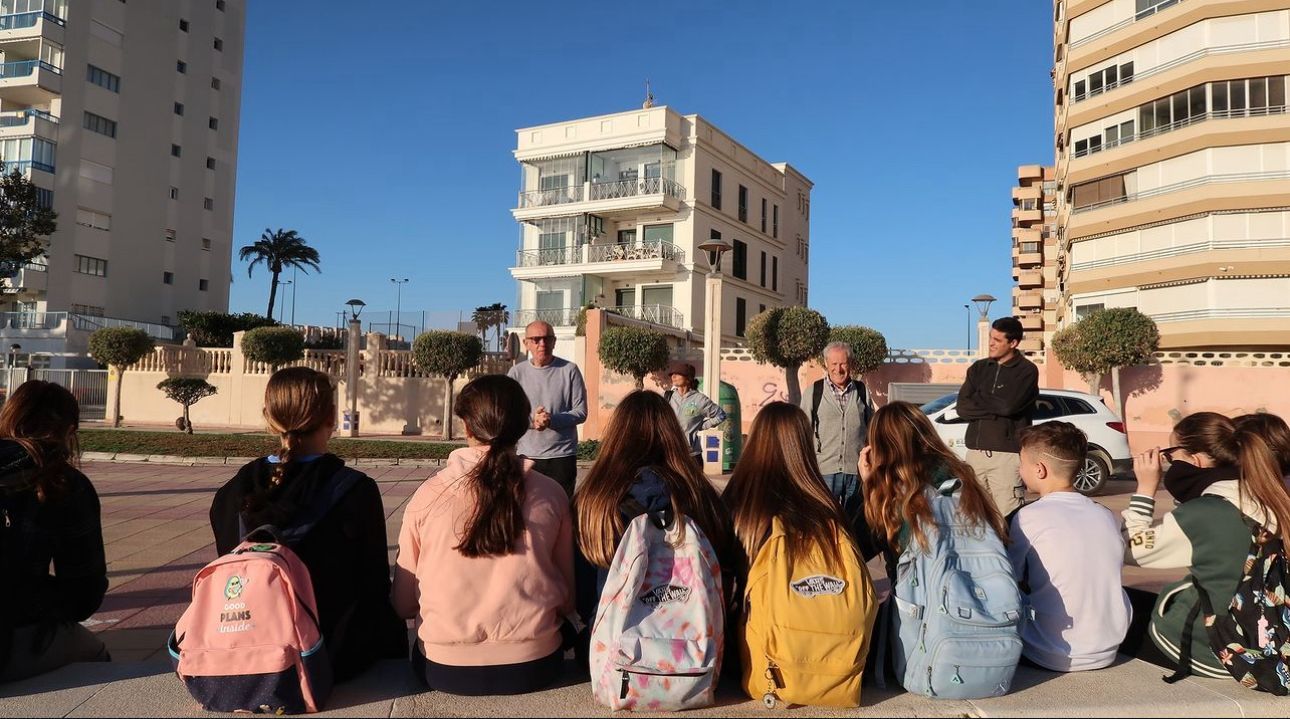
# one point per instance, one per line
(88, 386)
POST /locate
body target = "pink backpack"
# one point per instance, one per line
(250, 640)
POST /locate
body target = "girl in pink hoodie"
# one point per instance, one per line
(485, 563)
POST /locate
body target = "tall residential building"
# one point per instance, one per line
(1034, 255)
(1173, 165)
(612, 209)
(126, 116)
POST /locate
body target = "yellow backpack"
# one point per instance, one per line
(806, 633)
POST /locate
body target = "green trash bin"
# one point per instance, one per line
(728, 400)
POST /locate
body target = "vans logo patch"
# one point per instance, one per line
(663, 594)
(818, 585)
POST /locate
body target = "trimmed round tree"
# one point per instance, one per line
(118, 348)
(786, 337)
(868, 347)
(274, 346)
(1105, 341)
(636, 351)
(187, 391)
(448, 355)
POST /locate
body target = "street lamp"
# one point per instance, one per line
(713, 249)
(13, 359)
(351, 364)
(398, 304)
(282, 306)
(982, 303)
(969, 309)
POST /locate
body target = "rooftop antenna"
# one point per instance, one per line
(649, 97)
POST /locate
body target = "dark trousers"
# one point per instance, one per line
(41, 648)
(496, 680)
(562, 469)
(1137, 641)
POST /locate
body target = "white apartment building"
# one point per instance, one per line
(126, 116)
(612, 209)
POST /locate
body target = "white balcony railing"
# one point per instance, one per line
(598, 191)
(1186, 185)
(1183, 60)
(1185, 122)
(1235, 313)
(658, 314)
(620, 252)
(551, 196)
(554, 316)
(1178, 250)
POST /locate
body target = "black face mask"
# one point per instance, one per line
(1186, 481)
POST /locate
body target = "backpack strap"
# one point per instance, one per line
(667, 396)
(632, 508)
(328, 496)
(1189, 629)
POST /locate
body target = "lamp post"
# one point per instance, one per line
(295, 278)
(13, 359)
(282, 307)
(983, 324)
(969, 343)
(398, 305)
(351, 362)
(714, 249)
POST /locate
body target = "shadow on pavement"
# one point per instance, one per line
(83, 674)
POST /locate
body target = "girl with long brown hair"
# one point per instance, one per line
(1220, 476)
(49, 515)
(644, 465)
(485, 562)
(333, 515)
(905, 457)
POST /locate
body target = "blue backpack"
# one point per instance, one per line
(957, 610)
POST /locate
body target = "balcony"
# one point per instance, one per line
(607, 199)
(1023, 215)
(29, 122)
(30, 82)
(30, 279)
(1032, 322)
(626, 258)
(58, 324)
(556, 317)
(37, 23)
(1030, 279)
(658, 314)
(1030, 259)
(1030, 301)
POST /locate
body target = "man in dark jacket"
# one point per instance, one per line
(997, 399)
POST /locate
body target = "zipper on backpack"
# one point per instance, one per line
(627, 680)
(945, 601)
(930, 690)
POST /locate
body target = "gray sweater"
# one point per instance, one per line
(559, 388)
(842, 428)
(696, 412)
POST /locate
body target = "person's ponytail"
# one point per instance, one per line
(498, 519)
(1261, 480)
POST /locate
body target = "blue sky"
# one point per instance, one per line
(384, 136)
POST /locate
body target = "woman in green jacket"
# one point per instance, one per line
(1217, 474)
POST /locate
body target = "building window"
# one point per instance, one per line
(740, 268)
(100, 124)
(1105, 191)
(774, 273)
(93, 219)
(44, 198)
(219, 44)
(91, 266)
(174, 193)
(213, 123)
(181, 66)
(176, 151)
(741, 316)
(210, 163)
(215, 83)
(179, 108)
(743, 203)
(203, 285)
(774, 227)
(183, 25)
(763, 269)
(208, 203)
(169, 234)
(88, 310)
(716, 190)
(206, 244)
(103, 78)
(167, 278)
(1029, 247)
(763, 215)
(1082, 311)
(761, 309)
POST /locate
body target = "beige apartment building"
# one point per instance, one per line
(125, 115)
(612, 209)
(1035, 296)
(1173, 166)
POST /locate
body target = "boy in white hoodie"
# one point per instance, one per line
(1067, 554)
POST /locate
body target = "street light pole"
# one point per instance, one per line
(351, 362)
(295, 277)
(398, 304)
(282, 306)
(714, 248)
(969, 309)
(983, 324)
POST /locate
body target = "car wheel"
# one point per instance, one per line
(1093, 475)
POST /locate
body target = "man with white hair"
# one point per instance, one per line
(839, 408)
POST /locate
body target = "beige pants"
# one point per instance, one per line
(999, 473)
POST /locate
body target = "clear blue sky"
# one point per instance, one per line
(384, 136)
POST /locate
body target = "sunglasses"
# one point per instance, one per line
(1167, 454)
(545, 338)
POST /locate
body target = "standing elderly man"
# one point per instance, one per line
(694, 410)
(558, 398)
(839, 408)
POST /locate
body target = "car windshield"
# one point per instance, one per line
(939, 404)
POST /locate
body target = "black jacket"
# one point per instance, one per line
(64, 530)
(346, 553)
(998, 400)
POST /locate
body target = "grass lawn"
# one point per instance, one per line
(247, 445)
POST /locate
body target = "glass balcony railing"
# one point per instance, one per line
(25, 68)
(554, 316)
(22, 118)
(23, 166)
(597, 191)
(618, 252)
(21, 20)
(658, 314)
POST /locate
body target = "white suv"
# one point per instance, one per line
(1108, 445)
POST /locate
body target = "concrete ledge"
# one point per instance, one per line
(1129, 688)
(239, 461)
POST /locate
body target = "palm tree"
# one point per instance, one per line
(278, 251)
(483, 319)
(501, 318)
